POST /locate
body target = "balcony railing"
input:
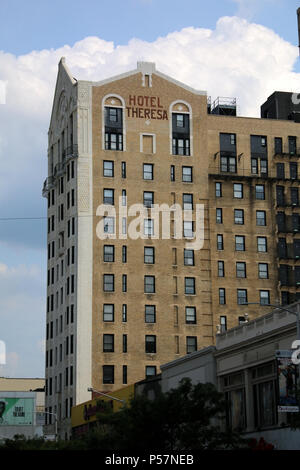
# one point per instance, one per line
(60, 168)
(48, 184)
(218, 170)
(70, 152)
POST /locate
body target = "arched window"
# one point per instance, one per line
(113, 123)
(181, 129)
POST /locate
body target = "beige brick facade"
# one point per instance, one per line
(148, 99)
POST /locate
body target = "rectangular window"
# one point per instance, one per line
(189, 286)
(150, 314)
(241, 269)
(187, 174)
(172, 172)
(262, 244)
(263, 272)
(188, 229)
(148, 198)
(218, 189)
(149, 284)
(242, 296)
(278, 145)
(108, 196)
(109, 253)
(191, 344)
(124, 198)
(124, 313)
(150, 344)
(228, 164)
(108, 168)
(180, 146)
(292, 145)
(179, 120)
(220, 243)
(238, 190)
(108, 374)
(124, 343)
(108, 282)
(294, 197)
(222, 296)
(221, 270)
(223, 323)
(219, 216)
(187, 202)
(148, 227)
(123, 170)
(124, 225)
(124, 283)
(149, 255)
(108, 312)
(147, 171)
(293, 170)
(124, 254)
(261, 218)
(109, 225)
(188, 257)
(264, 297)
(239, 216)
(124, 375)
(113, 141)
(108, 343)
(260, 191)
(239, 243)
(190, 315)
(150, 371)
(254, 166)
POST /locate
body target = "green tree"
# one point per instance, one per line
(184, 418)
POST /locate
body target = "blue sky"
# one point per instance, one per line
(242, 48)
(36, 24)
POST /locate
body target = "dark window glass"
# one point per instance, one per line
(190, 315)
(150, 314)
(108, 168)
(189, 285)
(108, 312)
(109, 253)
(108, 374)
(108, 283)
(149, 284)
(150, 344)
(191, 344)
(188, 257)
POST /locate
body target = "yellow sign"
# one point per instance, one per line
(87, 412)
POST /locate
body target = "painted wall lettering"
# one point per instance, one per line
(145, 107)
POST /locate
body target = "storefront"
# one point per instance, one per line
(87, 416)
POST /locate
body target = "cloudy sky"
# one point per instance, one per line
(239, 48)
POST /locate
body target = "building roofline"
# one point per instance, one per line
(188, 357)
(146, 68)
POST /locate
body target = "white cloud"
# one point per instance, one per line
(237, 59)
(249, 8)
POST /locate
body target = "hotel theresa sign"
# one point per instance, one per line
(146, 107)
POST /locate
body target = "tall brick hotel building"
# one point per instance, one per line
(118, 307)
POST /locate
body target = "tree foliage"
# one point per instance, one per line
(185, 418)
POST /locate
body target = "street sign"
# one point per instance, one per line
(287, 382)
